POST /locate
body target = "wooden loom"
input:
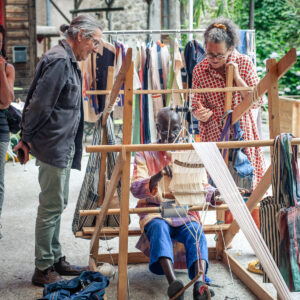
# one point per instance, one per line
(268, 84)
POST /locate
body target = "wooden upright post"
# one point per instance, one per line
(273, 99)
(227, 106)
(124, 206)
(101, 192)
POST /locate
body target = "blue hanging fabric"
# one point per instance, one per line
(239, 164)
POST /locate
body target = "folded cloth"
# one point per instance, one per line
(89, 285)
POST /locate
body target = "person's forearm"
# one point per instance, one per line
(6, 91)
(239, 82)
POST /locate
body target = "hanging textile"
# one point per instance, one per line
(145, 100)
(90, 106)
(193, 54)
(285, 186)
(269, 228)
(290, 247)
(103, 59)
(88, 196)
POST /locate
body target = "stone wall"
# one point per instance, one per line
(134, 17)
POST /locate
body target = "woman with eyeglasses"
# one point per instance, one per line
(221, 38)
(7, 78)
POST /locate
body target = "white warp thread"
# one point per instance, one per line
(217, 169)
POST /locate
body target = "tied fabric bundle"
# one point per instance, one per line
(89, 285)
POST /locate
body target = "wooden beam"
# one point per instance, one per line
(172, 147)
(124, 206)
(102, 179)
(116, 211)
(285, 63)
(118, 83)
(256, 288)
(175, 91)
(253, 200)
(139, 257)
(106, 203)
(273, 99)
(115, 231)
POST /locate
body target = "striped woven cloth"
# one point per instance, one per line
(88, 196)
(275, 220)
(269, 228)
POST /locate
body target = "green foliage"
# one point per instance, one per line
(277, 29)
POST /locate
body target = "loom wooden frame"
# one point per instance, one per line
(268, 84)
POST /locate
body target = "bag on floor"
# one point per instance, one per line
(89, 285)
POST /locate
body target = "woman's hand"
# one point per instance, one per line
(236, 73)
(203, 114)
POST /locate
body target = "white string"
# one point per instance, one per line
(225, 183)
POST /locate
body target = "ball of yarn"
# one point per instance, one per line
(107, 269)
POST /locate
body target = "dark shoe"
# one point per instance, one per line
(47, 276)
(62, 267)
(174, 288)
(201, 291)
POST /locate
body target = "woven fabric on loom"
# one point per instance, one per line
(188, 180)
(88, 196)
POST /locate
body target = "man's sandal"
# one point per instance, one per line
(174, 288)
(254, 267)
(202, 292)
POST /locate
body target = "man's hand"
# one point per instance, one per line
(158, 176)
(203, 114)
(22, 150)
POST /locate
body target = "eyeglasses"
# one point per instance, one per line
(96, 43)
(218, 57)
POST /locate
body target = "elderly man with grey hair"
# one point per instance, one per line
(52, 130)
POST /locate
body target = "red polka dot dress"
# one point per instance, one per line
(204, 76)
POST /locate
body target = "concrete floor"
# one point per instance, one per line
(17, 246)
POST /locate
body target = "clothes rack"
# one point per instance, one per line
(158, 31)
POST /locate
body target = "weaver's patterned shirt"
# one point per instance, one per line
(204, 76)
(147, 164)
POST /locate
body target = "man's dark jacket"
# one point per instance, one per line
(53, 115)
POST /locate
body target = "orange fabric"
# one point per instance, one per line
(255, 215)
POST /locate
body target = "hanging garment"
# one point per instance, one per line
(89, 110)
(204, 76)
(269, 228)
(290, 247)
(285, 186)
(286, 178)
(145, 100)
(155, 79)
(177, 82)
(193, 54)
(104, 58)
(88, 196)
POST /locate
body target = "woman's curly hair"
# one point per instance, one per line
(222, 30)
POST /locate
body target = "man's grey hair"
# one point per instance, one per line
(85, 22)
